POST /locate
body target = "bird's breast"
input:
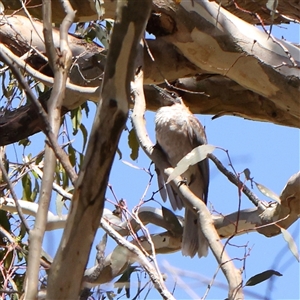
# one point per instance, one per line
(171, 132)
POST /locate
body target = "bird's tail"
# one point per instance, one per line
(193, 240)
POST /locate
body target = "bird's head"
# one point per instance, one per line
(166, 97)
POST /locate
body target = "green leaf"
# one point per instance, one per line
(22, 232)
(4, 221)
(72, 155)
(195, 156)
(85, 107)
(19, 280)
(81, 158)
(89, 37)
(171, 218)
(247, 174)
(20, 256)
(26, 183)
(65, 178)
(133, 144)
(109, 25)
(267, 192)
(9, 90)
(84, 135)
(59, 203)
(25, 142)
(291, 243)
(8, 259)
(39, 158)
(58, 173)
(41, 87)
(35, 190)
(76, 118)
(256, 279)
(34, 174)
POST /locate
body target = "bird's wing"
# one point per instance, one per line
(161, 184)
(166, 189)
(197, 137)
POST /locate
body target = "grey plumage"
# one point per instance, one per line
(178, 132)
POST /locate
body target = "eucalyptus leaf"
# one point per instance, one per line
(84, 136)
(133, 144)
(291, 243)
(195, 156)
(26, 184)
(267, 192)
(256, 279)
(59, 203)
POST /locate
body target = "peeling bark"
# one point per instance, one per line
(220, 43)
(86, 11)
(89, 195)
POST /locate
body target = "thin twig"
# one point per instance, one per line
(61, 155)
(14, 196)
(154, 276)
(91, 93)
(232, 178)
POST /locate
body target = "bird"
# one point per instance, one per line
(178, 132)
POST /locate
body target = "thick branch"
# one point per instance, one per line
(60, 65)
(86, 11)
(88, 200)
(220, 43)
(229, 98)
(239, 8)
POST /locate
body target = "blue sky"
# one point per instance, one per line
(270, 151)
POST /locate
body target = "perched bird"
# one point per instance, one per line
(178, 132)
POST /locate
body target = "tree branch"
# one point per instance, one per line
(218, 42)
(140, 258)
(88, 200)
(60, 64)
(254, 219)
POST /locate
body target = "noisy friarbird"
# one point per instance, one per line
(178, 132)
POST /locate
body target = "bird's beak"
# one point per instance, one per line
(165, 97)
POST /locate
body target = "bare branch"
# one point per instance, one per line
(227, 226)
(232, 178)
(4, 175)
(60, 64)
(140, 257)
